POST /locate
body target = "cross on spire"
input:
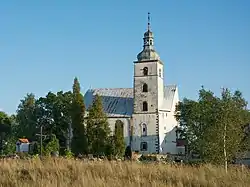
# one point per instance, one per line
(148, 21)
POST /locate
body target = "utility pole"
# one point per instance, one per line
(225, 134)
(70, 134)
(41, 139)
(224, 146)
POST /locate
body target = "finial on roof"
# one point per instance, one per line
(148, 21)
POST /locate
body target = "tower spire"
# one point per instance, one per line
(148, 21)
(148, 52)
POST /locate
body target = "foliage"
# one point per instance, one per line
(35, 156)
(35, 149)
(204, 123)
(98, 130)
(5, 133)
(79, 141)
(53, 112)
(52, 146)
(128, 153)
(68, 154)
(26, 118)
(110, 148)
(10, 146)
(119, 143)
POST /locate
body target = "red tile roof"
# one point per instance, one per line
(23, 140)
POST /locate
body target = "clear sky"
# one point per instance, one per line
(45, 44)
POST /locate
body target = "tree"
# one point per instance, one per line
(98, 130)
(128, 153)
(79, 141)
(52, 145)
(214, 126)
(26, 117)
(10, 145)
(53, 112)
(119, 138)
(110, 148)
(5, 130)
(233, 108)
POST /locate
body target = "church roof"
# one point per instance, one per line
(118, 102)
(169, 93)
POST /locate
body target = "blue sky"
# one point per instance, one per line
(45, 44)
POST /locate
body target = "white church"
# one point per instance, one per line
(147, 109)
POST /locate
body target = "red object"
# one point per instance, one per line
(23, 140)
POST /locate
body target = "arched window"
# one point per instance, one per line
(145, 88)
(159, 72)
(144, 146)
(145, 71)
(145, 106)
(144, 129)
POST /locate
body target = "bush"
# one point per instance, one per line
(68, 154)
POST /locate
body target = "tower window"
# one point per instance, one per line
(144, 129)
(145, 88)
(145, 71)
(145, 106)
(144, 146)
(159, 72)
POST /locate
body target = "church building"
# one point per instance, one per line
(147, 109)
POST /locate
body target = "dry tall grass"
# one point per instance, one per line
(63, 172)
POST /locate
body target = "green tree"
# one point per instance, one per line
(128, 153)
(98, 130)
(119, 138)
(214, 125)
(10, 145)
(5, 130)
(52, 145)
(26, 117)
(53, 112)
(79, 141)
(110, 148)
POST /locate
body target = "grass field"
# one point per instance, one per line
(63, 172)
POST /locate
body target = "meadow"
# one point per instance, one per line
(68, 172)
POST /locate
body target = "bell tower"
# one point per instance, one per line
(148, 95)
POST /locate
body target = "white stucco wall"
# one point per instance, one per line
(23, 147)
(167, 134)
(151, 138)
(167, 124)
(160, 84)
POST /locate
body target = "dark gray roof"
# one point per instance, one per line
(118, 102)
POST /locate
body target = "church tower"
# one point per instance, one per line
(148, 96)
